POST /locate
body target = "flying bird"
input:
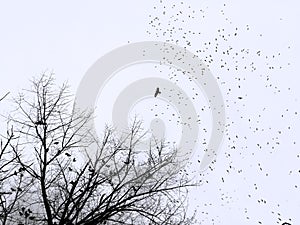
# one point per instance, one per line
(157, 92)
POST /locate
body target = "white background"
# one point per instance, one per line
(67, 37)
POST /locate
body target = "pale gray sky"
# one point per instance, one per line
(67, 37)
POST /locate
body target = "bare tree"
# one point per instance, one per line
(13, 184)
(119, 184)
(3, 97)
(6, 159)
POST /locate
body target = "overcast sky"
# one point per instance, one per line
(261, 146)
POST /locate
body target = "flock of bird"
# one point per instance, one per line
(234, 68)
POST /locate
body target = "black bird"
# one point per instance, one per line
(40, 123)
(157, 92)
(134, 189)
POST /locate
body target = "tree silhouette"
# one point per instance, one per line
(119, 183)
(13, 184)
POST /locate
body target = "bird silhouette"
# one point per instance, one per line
(157, 92)
(134, 189)
(39, 122)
